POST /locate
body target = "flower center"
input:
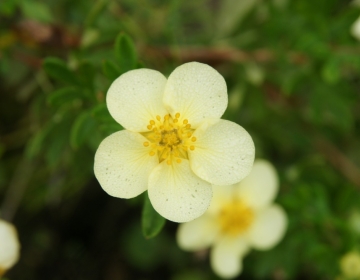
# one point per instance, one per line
(2, 271)
(235, 218)
(169, 138)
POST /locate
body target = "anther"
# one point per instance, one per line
(168, 162)
(149, 126)
(152, 122)
(178, 160)
(146, 144)
(152, 153)
(185, 121)
(175, 120)
(193, 139)
(177, 115)
(158, 117)
(188, 125)
(192, 148)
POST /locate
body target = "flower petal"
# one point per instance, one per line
(9, 245)
(221, 196)
(197, 234)
(135, 98)
(226, 256)
(224, 152)
(355, 29)
(123, 165)
(268, 228)
(197, 91)
(177, 193)
(259, 188)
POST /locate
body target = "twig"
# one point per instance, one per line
(17, 187)
(339, 160)
(221, 54)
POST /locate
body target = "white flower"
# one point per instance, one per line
(355, 29)
(9, 246)
(240, 217)
(175, 146)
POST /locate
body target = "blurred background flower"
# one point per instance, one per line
(240, 217)
(350, 266)
(292, 70)
(9, 246)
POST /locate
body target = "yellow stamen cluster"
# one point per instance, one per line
(170, 138)
(235, 218)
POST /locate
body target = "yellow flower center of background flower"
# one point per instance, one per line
(350, 265)
(235, 218)
(169, 138)
(2, 271)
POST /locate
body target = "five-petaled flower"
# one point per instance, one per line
(240, 217)
(174, 144)
(9, 246)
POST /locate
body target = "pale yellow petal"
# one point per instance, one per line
(224, 152)
(222, 195)
(355, 29)
(9, 245)
(196, 91)
(123, 165)
(198, 234)
(177, 193)
(135, 98)
(260, 187)
(226, 256)
(268, 228)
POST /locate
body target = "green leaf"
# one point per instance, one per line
(63, 96)
(96, 9)
(107, 124)
(331, 72)
(57, 69)
(111, 70)
(8, 8)
(36, 10)
(125, 53)
(86, 74)
(82, 129)
(151, 221)
(35, 144)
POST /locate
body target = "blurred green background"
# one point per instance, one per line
(293, 75)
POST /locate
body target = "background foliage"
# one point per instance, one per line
(292, 70)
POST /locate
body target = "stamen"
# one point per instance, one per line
(169, 139)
